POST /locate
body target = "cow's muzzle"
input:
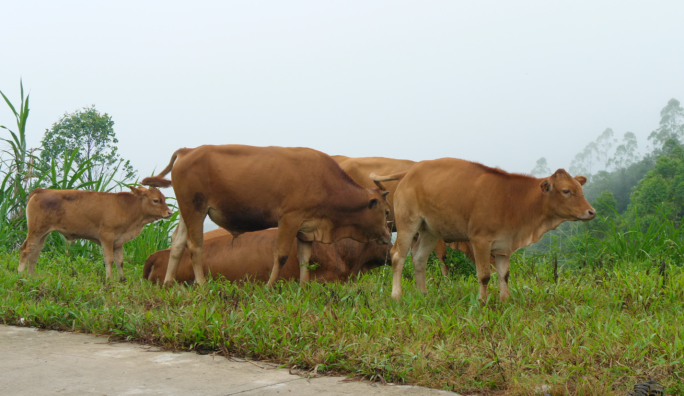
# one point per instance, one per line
(589, 214)
(384, 241)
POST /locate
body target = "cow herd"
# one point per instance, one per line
(299, 206)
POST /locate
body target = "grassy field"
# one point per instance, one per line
(596, 331)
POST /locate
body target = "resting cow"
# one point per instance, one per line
(360, 170)
(108, 219)
(498, 212)
(250, 257)
(301, 191)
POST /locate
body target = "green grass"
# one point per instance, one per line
(595, 332)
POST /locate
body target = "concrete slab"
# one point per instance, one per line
(36, 362)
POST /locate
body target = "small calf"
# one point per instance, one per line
(108, 219)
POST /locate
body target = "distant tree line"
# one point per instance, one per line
(616, 166)
(630, 190)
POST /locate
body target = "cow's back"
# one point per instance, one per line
(457, 196)
(79, 214)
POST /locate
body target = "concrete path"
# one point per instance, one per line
(36, 362)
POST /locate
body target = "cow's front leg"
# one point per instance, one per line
(118, 260)
(482, 250)
(287, 232)
(304, 250)
(108, 255)
(503, 264)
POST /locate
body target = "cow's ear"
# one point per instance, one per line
(581, 179)
(373, 203)
(137, 191)
(384, 194)
(545, 186)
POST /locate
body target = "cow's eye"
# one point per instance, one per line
(387, 213)
(566, 191)
(156, 201)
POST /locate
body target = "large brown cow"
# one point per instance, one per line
(302, 191)
(251, 257)
(108, 219)
(498, 212)
(361, 168)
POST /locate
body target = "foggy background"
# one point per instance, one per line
(502, 83)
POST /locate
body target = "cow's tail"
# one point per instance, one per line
(159, 180)
(379, 179)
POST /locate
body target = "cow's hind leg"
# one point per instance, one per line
(399, 251)
(420, 254)
(287, 232)
(177, 250)
(503, 264)
(304, 254)
(195, 239)
(30, 251)
(482, 250)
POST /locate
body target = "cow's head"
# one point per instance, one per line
(378, 211)
(373, 256)
(152, 203)
(566, 197)
(359, 257)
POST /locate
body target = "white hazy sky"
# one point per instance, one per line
(503, 82)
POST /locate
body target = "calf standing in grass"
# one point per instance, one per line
(496, 211)
(108, 219)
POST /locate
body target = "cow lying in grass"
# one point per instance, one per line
(108, 219)
(251, 257)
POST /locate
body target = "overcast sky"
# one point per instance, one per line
(502, 83)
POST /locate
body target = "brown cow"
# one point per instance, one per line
(361, 168)
(243, 188)
(108, 219)
(251, 256)
(498, 212)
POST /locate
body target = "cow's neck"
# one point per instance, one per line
(347, 231)
(346, 208)
(134, 213)
(539, 218)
